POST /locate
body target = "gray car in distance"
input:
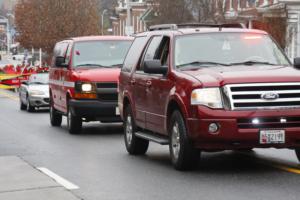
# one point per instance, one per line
(34, 93)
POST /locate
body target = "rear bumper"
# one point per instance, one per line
(233, 134)
(94, 110)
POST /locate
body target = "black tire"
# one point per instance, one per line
(134, 145)
(55, 117)
(22, 105)
(29, 107)
(74, 123)
(246, 150)
(183, 155)
(297, 151)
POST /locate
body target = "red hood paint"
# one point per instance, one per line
(220, 76)
(98, 74)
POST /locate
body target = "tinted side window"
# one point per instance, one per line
(134, 53)
(152, 51)
(63, 48)
(68, 54)
(59, 50)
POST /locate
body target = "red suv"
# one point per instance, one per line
(208, 88)
(84, 80)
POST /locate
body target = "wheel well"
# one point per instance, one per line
(68, 96)
(173, 105)
(125, 104)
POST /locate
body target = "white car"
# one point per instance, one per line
(34, 93)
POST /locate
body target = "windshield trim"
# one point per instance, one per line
(176, 37)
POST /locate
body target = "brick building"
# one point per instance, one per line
(138, 11)
(252, 12)
(255, 11)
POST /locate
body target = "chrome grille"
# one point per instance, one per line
(269, 122)
(263, 96)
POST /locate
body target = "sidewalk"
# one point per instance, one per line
(20, 181)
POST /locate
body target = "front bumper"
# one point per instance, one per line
(39, 101)
(94, 110)
(236, 130)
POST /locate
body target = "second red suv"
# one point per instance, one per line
(208, 88)
(84, 80)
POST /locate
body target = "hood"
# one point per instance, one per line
(220, 76)
(98, 74)
(38, 87)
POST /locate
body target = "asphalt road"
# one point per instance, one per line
(98, 163)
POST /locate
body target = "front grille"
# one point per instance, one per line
(252, 96)
(47, 100)
(269, 122)
(107, 91)
(107, 85)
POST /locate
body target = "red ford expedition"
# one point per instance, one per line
(208, 88)
(84, 80)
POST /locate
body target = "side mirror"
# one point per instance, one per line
(297, 63)
(154, 67)
(60, 61)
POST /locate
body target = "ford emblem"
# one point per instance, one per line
(270, 96)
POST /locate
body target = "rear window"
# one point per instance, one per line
(100, 53)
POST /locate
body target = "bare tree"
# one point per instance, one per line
(41, 23)
(172, 11)
(180, 11)
(208, 11)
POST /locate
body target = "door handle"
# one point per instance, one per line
(132, 82)
(148, 84)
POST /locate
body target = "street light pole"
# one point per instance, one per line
(128, 28)
(128, 13)
(102, 20)
(8, 37)
(7, 33)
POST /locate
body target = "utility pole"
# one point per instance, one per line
(8, 36)
(102, 21)
(128, 12)
(128, 28)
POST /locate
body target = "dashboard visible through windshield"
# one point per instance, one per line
(100, 53)
(227, 49)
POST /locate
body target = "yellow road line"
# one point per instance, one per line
(277, 165)
(287, 169)
(9, 96)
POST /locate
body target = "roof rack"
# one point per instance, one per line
(194, 25)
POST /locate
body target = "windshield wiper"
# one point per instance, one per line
(252, 62)
(38, 83)
(117, 65)
(89, 65)
(200, 63)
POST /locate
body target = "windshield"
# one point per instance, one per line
(227, 49)
(42, 79)
(100, 53)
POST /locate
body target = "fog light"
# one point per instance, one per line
(255, 121)
(213, 128)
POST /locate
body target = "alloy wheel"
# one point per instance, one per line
(129, 130)
(175, 141)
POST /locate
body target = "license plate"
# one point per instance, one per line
(272, 137)
(117, 111)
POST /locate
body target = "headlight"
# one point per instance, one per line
(36, 92)
(86, 87)
(210, 97)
